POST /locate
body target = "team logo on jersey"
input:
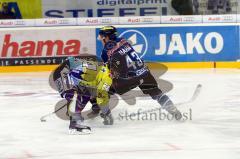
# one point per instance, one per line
(138, 41)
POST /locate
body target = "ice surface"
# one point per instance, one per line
(213, 132)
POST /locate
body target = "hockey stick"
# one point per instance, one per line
(43, 118)
(194, 96)
(192, 99)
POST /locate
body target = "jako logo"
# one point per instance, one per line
(138, 41)
(212, 43)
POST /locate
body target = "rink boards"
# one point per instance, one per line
(175, 45)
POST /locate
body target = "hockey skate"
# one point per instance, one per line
(168, 105)
(76, 126)
(94, 113)
(107, 118)
(174, 112)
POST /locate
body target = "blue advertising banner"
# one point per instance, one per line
(106, 8)
(183, 43)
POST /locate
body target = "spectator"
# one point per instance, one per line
(183, 7)
(196, 7)
(216, 5)
(6, 13)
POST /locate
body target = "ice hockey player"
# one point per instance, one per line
(129, 70)
(84, 78)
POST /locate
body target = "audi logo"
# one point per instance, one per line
(106, 21)
(63, 21)
(20, 22)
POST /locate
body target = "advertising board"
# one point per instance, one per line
(183, 43)
(44, 45)
(106, 8)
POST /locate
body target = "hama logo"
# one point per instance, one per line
(32, 48)
(138, 41)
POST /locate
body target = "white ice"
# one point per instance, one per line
(213, 132)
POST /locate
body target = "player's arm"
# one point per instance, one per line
(104, 56)
(104, 82)
(89, 75)
(62, 82)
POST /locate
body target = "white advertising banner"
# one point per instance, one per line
(47, 42)
(226, 18)
(238, 18)
(56, 22)
(181, 19)
(106, 8)
(98, 21)
(140, 20)
(17, 23)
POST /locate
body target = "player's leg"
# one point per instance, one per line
(124, 85)
(77, 125)
(149, 86)
(103, 102)
(106, 115)
(95, 108)
(104, 82)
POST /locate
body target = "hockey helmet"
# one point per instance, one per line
(108, 31)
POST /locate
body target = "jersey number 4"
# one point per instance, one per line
(133, 60)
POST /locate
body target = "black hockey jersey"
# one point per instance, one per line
(124, 62)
